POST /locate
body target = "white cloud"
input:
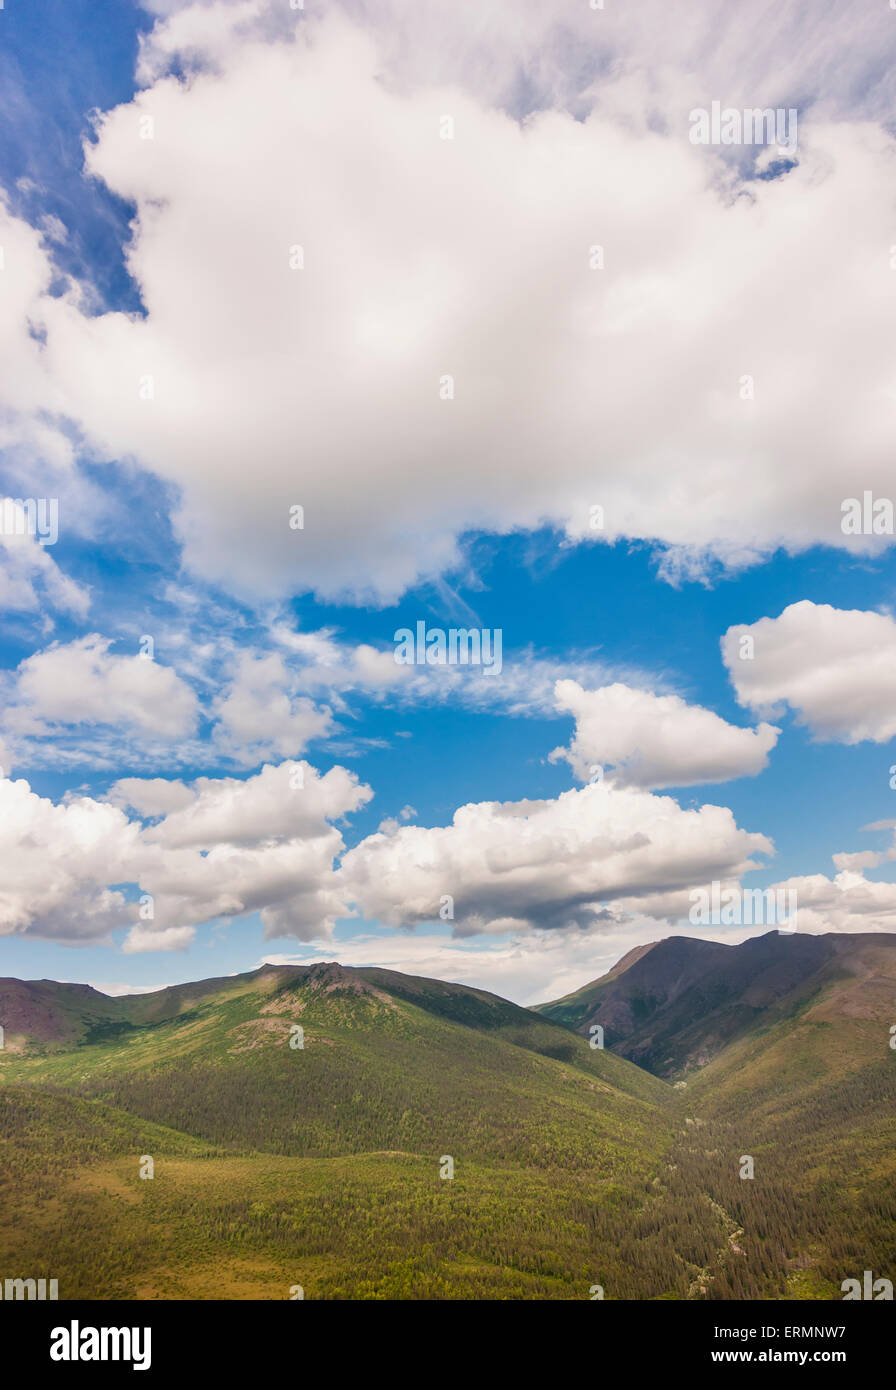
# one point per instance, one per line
(847, 903)
(415, 249)
(864, 859)
(26, 274)
(78, 704)
(58, 863)
(836, 668)
(259, 716)
(30, 579)
(263, 845)
(320, 662)
(868, 858)
(390, 824)
(115, 988)
(842, 59)
(591, 855)
(81, 682)
(284, 802)
(150, 796)
(646, 740)
(143, 939)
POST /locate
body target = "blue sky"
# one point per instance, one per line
(166, 255)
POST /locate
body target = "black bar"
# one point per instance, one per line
(284, 1339)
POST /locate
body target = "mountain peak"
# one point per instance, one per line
(682, 1000)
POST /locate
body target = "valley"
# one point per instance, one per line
(318, 1167)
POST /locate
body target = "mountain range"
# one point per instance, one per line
(677, 1004)
(362, 1133)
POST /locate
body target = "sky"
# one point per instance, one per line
(319, 324)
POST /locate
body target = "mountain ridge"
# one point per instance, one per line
(681, 1001)
(571, 1165)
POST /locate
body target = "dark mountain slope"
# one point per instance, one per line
(680, 1002)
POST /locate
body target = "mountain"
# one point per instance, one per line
(327, 1165)
(45, 1019)
(780, 1052)
(676, 1004)
(321, 1164)
(215, 1060)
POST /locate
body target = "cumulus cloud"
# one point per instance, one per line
(79, 703)
(150, 796)
(834, 667)
(647, 740)
(321, 661)
(843, 60)
(354, 299)
(285, 802)
(142, 939)
(412, 274)
(266, 844)
(855, 862)
(847, 903)
(588, 856)
(81, 682)
(59, 861)
(863, 859)
(260, 717)
(28, 390)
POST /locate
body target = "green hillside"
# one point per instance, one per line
(781, 1050)
(319, 1165)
